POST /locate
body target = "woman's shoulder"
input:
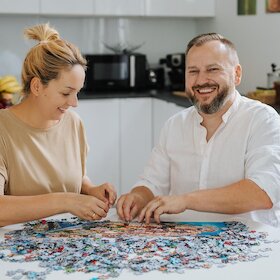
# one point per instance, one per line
(4, 113)
(71, 117)
(4, 118)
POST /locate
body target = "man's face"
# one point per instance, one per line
(212, 72)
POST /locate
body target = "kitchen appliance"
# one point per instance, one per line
(155, 78)
(175, 64)
(107, 72)
(273, 76)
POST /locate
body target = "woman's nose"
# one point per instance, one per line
(73, 101)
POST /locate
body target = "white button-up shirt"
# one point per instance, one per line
(245, 146)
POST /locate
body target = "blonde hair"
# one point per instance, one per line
(49, 57)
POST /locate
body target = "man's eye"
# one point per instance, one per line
(213, 69)
(193, 72)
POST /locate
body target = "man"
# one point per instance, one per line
(221, 155)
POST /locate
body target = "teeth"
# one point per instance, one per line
(205, 90)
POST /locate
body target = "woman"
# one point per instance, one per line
(43, 146)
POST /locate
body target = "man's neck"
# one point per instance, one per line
(212, 121)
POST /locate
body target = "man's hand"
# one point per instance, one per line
(172, 204)
(129, 205)
(105, 192)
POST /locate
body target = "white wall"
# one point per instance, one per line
(160, 36)
(256, 37)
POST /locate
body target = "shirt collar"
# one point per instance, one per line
(228, 113)
(233, 107)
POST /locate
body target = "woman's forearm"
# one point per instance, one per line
(17, 209)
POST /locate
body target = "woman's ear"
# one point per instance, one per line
(35, 86)
(238, 74)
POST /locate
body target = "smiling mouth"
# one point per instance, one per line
(62, 110)
(205, 89)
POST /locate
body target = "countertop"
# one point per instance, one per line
(256, 269)
(158, 94)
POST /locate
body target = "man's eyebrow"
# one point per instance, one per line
(192, 67)
(214, 64)
(207, 66)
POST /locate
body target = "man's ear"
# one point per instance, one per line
(238, 74)
(35, 86)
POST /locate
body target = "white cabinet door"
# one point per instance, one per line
(136, 138)
(180, 8)
(119, 7)
(67, 7)
(101, 120)
(162, 111)
(19, 6)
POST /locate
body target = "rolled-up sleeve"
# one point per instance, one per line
(262, 164)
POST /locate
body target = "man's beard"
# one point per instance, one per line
(212, 107)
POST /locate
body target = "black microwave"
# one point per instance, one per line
(108, 72)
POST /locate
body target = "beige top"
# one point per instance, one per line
(38, 161)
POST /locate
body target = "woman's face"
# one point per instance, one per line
(61, 94)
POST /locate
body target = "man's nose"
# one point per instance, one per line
(201, 78)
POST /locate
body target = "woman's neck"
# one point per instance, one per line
(29, 113)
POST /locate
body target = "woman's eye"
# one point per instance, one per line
(65, 94)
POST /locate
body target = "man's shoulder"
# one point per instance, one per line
(182, 114)
(254, 106)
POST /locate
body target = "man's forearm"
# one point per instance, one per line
(240, 197)
(143, 192)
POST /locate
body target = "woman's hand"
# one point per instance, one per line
(105, 192)
(86, 207)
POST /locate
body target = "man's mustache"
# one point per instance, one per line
(207, 85)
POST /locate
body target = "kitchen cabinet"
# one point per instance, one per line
(161, 112)
(135, 138)
(180, 8)
(19, 7)
(67, 7)
(101, 121)
(119, 7)
(119, 133)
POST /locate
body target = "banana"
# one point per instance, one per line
(9, 84)
(6, 79)
(13, 89)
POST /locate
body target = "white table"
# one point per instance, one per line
(263, 268)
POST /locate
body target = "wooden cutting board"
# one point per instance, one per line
(179, 93)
